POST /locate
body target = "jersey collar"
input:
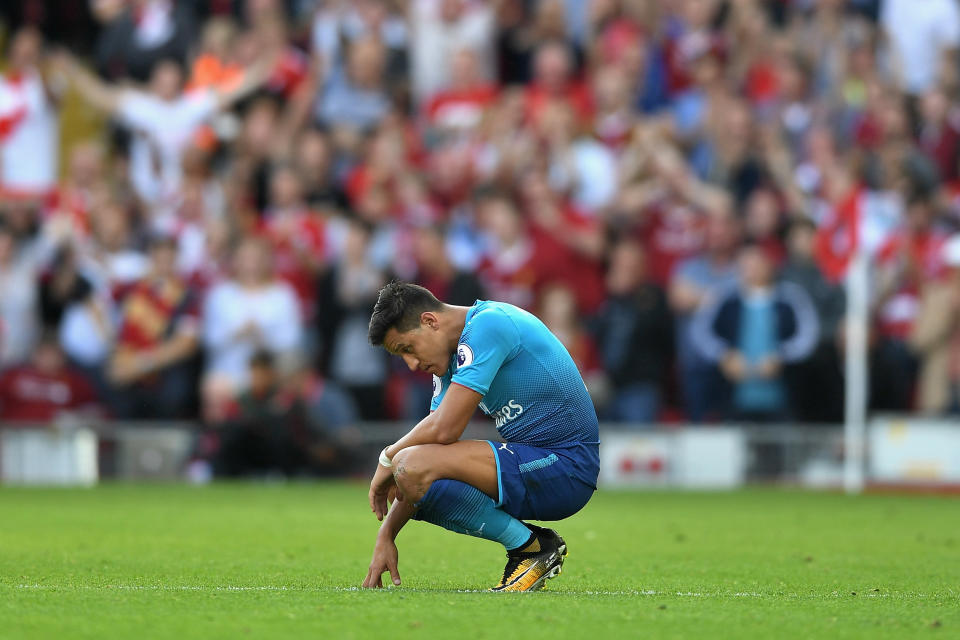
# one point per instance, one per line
(472, 311)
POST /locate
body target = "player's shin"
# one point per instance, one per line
(459, 507)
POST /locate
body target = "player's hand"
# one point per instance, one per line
(383, 490)
(385, 558)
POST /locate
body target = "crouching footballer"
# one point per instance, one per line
(504, 360)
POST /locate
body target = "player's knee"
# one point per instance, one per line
(412, 471)
(408, 464)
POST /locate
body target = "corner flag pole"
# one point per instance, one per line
(855, 407)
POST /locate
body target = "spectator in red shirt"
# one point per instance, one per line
(77, 193)
(152, 366)
(44, 388)
(569, 245)
(910, 258)
(297, 234)
(385, 155)
(415, 204)
(507, 269)
(461, 105)
(553, 81)
(693, 34)
(669, 210)
(290, 78)
(939, 132)
(615, 118)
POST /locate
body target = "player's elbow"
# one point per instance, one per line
(446, 436)
(443, 430)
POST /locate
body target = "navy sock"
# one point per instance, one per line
(459, 507)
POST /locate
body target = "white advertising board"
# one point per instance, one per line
(714, 458)
(914, 451)
(48, 457)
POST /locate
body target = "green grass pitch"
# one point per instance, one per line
(269, 561)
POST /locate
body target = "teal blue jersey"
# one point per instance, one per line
(529, 383)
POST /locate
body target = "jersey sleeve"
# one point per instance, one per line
(489, 340)
(440, 386)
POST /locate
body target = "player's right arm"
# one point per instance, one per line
(443, 426)
(485, 345)
(385, 554)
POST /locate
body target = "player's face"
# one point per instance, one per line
(422, 349)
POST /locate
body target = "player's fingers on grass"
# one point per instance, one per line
(373, 578)
(394, 572)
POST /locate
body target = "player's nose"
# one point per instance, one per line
(412, 363)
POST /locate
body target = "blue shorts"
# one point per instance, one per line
(545, 483)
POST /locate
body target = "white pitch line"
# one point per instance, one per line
(201, 588)
(157, 587)
(280, 588)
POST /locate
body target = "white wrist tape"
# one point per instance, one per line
(384, 460)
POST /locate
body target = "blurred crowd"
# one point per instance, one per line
(675, 187)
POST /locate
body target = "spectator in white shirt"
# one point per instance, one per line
(920, 34)
(440, 28)
(355, 97)
(28, 121)
(163, 119)
(112, 250)
(26, 250)
(342, 22)
(19, 313)
(252, 311)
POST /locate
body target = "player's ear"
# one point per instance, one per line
(429, 319)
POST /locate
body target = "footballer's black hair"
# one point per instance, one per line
(399, 306)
